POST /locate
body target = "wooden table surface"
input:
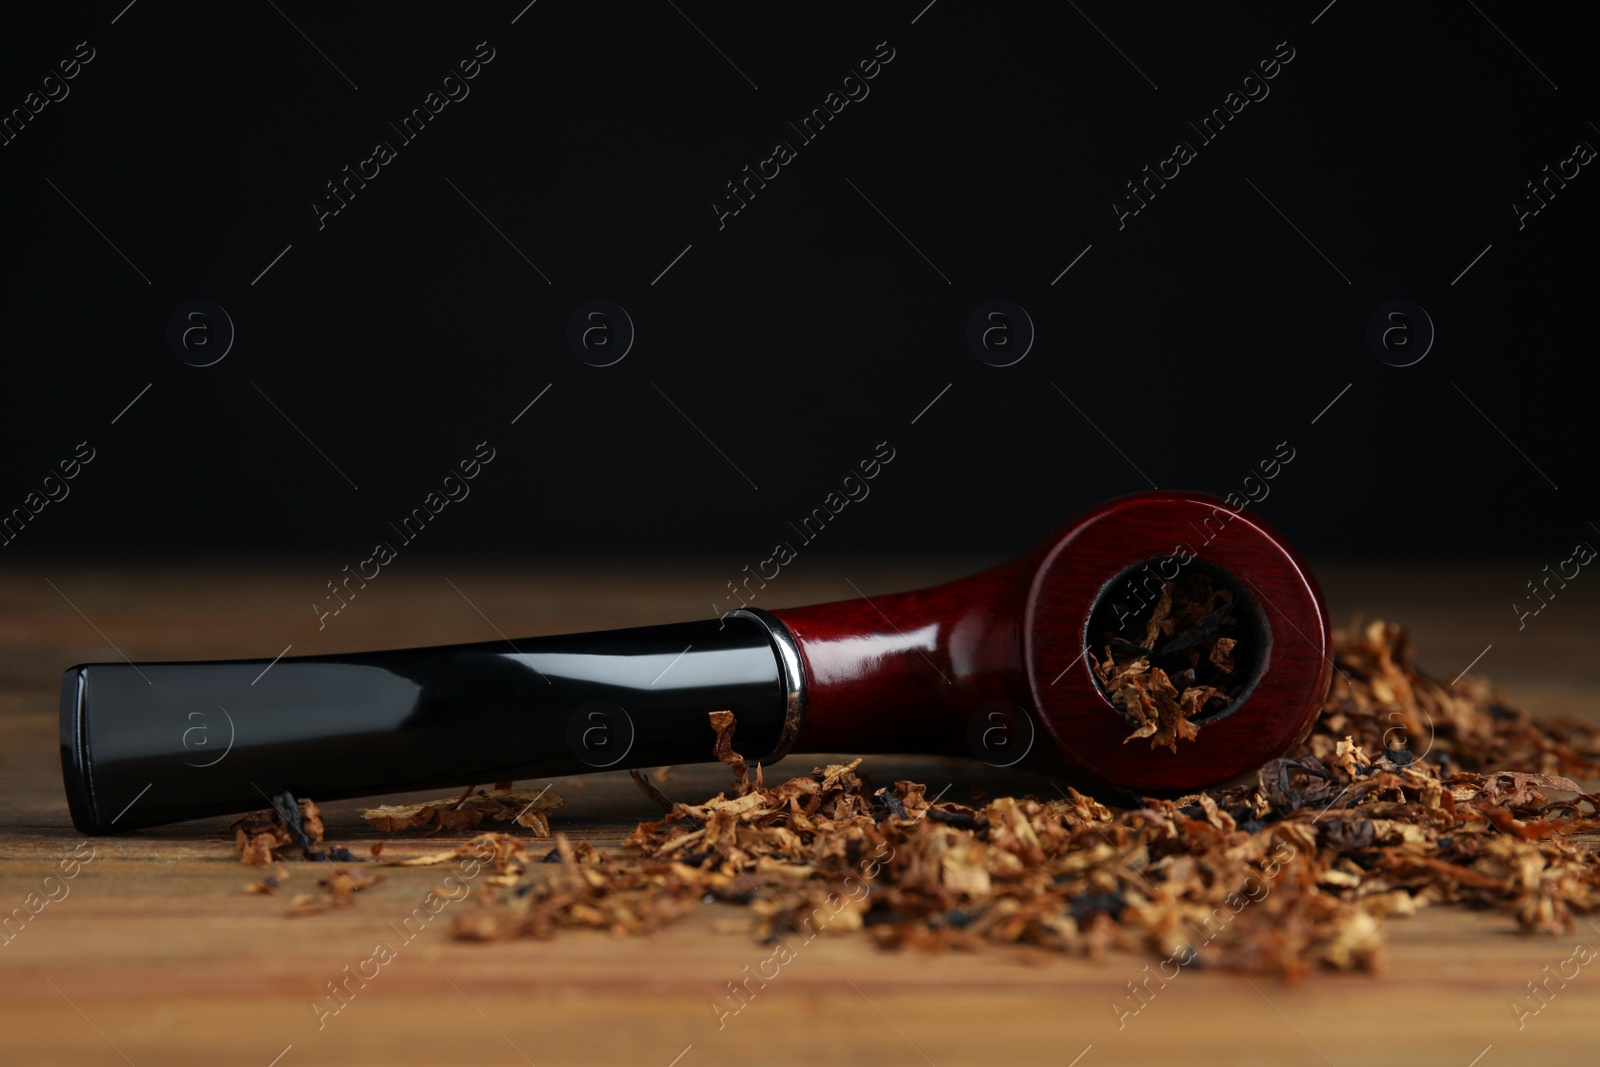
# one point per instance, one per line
(158, 956)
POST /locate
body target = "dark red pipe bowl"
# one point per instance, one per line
(912, 672)
(1296, 668)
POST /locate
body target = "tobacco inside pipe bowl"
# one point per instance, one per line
(1071, 659)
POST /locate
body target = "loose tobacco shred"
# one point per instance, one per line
(1408, 793)
(260, 835)
(722, 723)
(503, 852)
(1182, 664)
(338, 888)
(270, 883)
(525, 807)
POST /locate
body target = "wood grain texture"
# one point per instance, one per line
(158, 956)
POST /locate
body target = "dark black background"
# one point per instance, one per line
(807, 330)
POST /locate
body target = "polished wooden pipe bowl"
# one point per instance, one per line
(992, 667)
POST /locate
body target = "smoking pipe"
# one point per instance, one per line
(992, 666)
